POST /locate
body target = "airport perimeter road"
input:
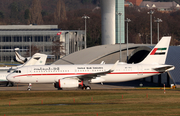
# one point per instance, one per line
(48, 87)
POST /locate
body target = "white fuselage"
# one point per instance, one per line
(3, 76)
(3, 73)
(51, 73)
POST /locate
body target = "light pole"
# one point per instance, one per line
(85, 17)
(158, 21)
(127, 21)
(119, 14)
(151, 13)
(30, 46)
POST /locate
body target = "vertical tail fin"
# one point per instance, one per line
(18, 57)
(36, 59)
(158, 53)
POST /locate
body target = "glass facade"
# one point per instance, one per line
(120, 32)
(72, 40)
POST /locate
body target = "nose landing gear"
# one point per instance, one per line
(29, 87)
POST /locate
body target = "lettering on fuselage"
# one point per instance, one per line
(89, 67)
(45, 69)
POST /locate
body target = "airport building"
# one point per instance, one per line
(112, 22)
(40, 36)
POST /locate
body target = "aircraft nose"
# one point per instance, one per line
(10, 77)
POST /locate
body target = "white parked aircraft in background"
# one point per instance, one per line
(36, 59)
(19, 58)
(3, 73)
(70, 76)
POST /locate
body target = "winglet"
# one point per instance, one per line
(114, 66)
(102, 62)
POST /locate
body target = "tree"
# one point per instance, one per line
(34, 49)
(86, 1)
(27, 14)
(60, 12)
(57, 48)
(1, 15)
(14, 10)
(44, 13)
(35, 13)
(75, 21)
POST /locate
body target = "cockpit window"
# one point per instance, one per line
(17, 71)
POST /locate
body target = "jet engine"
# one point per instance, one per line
(66, 83)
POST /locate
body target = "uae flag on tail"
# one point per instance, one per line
(158, 51)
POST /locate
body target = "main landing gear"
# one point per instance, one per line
(86, 88)
(29, 87)
(84, 85)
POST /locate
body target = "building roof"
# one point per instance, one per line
(135, 2)
(17, 27)
(89, 55)
(159, 5)
(127, 3)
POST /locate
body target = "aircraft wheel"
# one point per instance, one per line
(29, 87)
(59, 89)
(84, 88)
(88, 88)
(9, 84)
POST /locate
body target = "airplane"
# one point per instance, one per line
(4, 71)
(36, 59)
(19, 58)
(3, 74)
(74, 76)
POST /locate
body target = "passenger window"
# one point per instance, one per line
(19, 71)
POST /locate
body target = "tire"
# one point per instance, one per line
(59, 89)
(88, 88)
(84, 88)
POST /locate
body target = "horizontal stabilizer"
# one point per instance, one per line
(164, 68)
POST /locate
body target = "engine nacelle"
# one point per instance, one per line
(67, 83)
(97, 80)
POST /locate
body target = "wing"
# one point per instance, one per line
(93, 75)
